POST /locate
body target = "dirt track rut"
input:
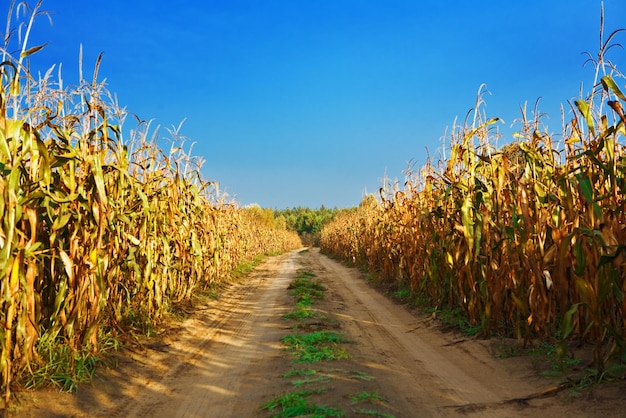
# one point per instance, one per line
(226, 359)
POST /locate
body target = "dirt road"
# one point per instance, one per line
(227, 360)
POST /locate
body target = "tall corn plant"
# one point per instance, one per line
(97, 230)
(527, 239)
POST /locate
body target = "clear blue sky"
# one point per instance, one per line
(311, 102)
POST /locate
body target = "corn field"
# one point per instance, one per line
(97, 229)
(526, 240)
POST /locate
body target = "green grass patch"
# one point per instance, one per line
(403, 294)
(455, 318)
(66, 368)
(244, 268)
(297, 404)
(301, 312)
(367, 397)
(316, 346)
(304, 288)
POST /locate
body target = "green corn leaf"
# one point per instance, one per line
(540, 190)
(585, 111)
(581, 265)
(32, 248)
(586, 188)
(530, 153)
(609, 258)
(609, 84)
(587, 191)
(61, 220)
(567, 324)
(5, 151)
(60, 160)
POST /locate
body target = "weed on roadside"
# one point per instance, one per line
(545, 357)
(455, 319)
(243, 269)
(297, 404)
(66, 368)
(316, 346)
(301, 312)
(305, 289)
(314, 340)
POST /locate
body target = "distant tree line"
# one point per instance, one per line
(307, 222)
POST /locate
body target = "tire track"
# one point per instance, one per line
(430, 376)
(212, 360)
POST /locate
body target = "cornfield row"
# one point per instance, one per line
(96, 230)
(526, 240)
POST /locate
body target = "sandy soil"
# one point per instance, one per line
(226, 360)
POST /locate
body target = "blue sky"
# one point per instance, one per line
(310, 103)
